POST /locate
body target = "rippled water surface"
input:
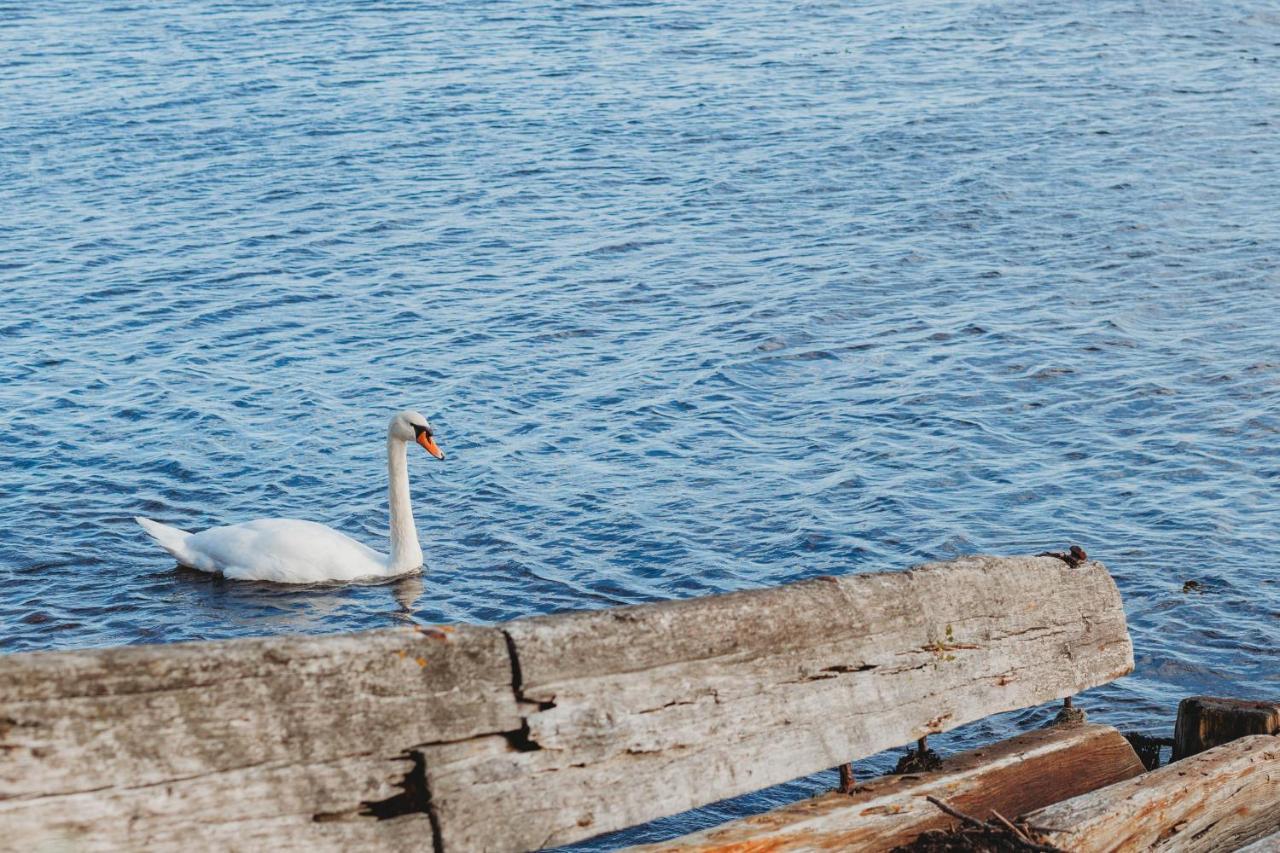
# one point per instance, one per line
(701, 296)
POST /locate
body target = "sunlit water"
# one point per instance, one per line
(701, 296)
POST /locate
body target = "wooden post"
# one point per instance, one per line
(1205, 722)
(847, 782)
(1069, 714)
(1221, 799)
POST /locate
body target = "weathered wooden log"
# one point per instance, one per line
(639, 712)
(286, 738)
(1221, 799)
(1014, 776)
(1206, 721)
(538, 732)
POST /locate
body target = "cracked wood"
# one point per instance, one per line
(639, 712)
(1207, 721)
(130, 748)
(537, 732)
(1220, 799)
(1011, 777)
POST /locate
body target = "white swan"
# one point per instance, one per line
(288, 551)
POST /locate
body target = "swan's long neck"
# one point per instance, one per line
(406, 553)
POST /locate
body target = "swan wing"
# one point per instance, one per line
(282, 550)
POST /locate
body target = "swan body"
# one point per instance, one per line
(286, 550)
(283, 550)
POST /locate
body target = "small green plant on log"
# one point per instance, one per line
(942, 648)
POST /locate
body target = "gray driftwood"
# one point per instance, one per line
(1011, 777)
(537, 732)
(226, 745)
(1206, 721)
(1221, 799)
(639, 712)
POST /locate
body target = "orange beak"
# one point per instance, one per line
(429, 444)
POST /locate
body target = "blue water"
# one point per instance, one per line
(700, 296)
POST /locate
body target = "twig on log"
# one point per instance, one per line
(958, 815)
(1009, 826)
(998, 835)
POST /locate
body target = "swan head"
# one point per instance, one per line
(412, 426)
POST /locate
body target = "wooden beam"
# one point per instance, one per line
(635, 713)
(538, 732)
(1011, 777)
(1221, 799)
(1205, 722)
(287, 737)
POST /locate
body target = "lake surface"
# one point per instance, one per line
(700, 297)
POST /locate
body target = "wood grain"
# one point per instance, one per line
(1221, 799)
(120, 748)
(636, 713)
(540, 731)
(1270, 844)
(1206, 721)
(1012, 776)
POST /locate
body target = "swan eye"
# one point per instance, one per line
(419, 429)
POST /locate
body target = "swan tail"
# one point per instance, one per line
(169, 538)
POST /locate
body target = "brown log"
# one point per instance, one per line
(1011, 777)
(1206, 721)
(1221, 799)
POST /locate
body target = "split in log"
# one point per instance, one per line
(541, 731)
(283, 742)
(1205, 722)
(640, 712)
(1011, 777)
(1221, 799)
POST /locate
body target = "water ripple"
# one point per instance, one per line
(702, 297)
